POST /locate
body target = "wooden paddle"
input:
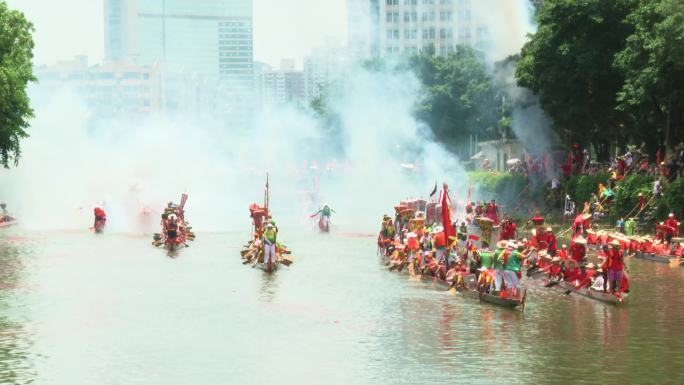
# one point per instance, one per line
(676, 261)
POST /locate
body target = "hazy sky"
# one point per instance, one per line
(282, 28)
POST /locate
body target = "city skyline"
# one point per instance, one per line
(281, 29)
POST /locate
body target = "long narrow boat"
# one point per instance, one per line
(470, 289)
(253, 253)
(568, 288)
(595, 294)
(8, 223)
(655, 257)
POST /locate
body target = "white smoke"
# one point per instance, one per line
(74, 160)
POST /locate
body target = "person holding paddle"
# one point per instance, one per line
(498, 264)
(100, 218)
(440, 244)
(512, 267)
(616, 266)
(269, 241)
(578, 250)
(324, 220)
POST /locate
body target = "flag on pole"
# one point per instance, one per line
(181, 206)
(434, 191)
(266, 195)
(446, 213)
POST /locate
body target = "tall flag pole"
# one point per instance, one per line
(446, 213)
(266, 197)
(434, 191)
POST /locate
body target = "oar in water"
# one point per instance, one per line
(676, 261)
(286, 261)
(552, 284)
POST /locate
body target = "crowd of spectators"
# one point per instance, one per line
(634, 161)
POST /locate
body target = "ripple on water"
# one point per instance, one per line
(122, 312)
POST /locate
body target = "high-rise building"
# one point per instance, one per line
(363, 39)
(205, 42)
(111, 88)
(285, 85)
(409, 26)
(325, 65)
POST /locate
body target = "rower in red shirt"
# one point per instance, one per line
(572, 272)
(555, 270)
(509, 229)
(616, 266)
(671, 228)
(578, 249)
(551, 242)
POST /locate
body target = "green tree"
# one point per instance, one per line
(16, 71)
(459, 97)
(653, 66)
(568, 62)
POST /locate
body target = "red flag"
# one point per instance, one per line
(181, 206)
(446, 214)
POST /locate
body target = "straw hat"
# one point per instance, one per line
(411, 235)
(580, 240)
(569, 262)
(615, 243)
(512, 244)
(437, 229)
(590, 265)
(501, 244)
(548, 229)
(556, 259)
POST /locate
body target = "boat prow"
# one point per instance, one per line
(469, 289)
(655, 257)
(601, 296)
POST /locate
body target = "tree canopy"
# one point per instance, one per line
(568, 62)
(16, 71)
(609, 71)
(459, 98)
(653, 66)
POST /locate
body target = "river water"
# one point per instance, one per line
(76, 308)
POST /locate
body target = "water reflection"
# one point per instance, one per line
(268, 285)
(347, 319)
(16, 365)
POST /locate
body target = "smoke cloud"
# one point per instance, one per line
(379, 154)
(75, 159)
